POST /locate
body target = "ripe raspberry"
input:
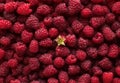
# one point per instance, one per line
(77, 26)
(85, 78)
(25, 7)
(73, 69)
(2, 53)
(61, 9)
(103, 49)
(115, 26)
(117, 70)
(97, 1)
(116, 80)
(33, 2)
(1, 80)
(97, 71)
(92, 52)
(81, 55)
(82, 43)
(71, 59)
(105, 64)
(116, 8)
(5, 24)
(49, 71)
(10, 7)
(48, 21)
(52, 80)
(97, 21)
(98, 38)
(46, 43)
(43, 10)
(86, 13)
(71, 40)
(53, 32)
(17, 70)
(5, 41)
(118, 33)
(60, 22)
(15, 81)
(12, 63)
(26, 36)
(4, 69)
(34, 46)
(1, 7)
(59, 62)
(62, 51)
(86, 65)
(46, 58)
(22, 19)
(41, 33)
(95, 79)
(63, 77)
(35, 81)
(107, 77)
(18, 27)
(72, 81)
(110, 18)
(108, 34)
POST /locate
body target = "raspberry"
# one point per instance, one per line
(26, 36)
(86, 13)
(59, 62)
(17, 70)
(63, 77)
(107, 77)
(48, 21)
(71, 59)
(1, 80)
(46, 58)
(34, 63)
(118, 33)
(62, 51)
(81, 55)
(115, 26)
(61, 9)
(82, 43)
(35, 82)
(5, 24)
(105, 64)
(97, 71)
(110, 18)
(71, 40)
(77, 26)
(2, 53)
(15, 81)
(103, 49)
(117, 70)
(12, 63)
(73, 70)
(41, 33)
(53, 32)
(34, 46)
(5, 41)
(116, 7)
(33, 2)
(116, 80)
(18, 27)
(52, 80)
(43, 10)
(85, 78)
(57, 1)
(108, 34)
(22, 19)
(10, 7)
(60, 22)
(71, 81)
(92, 52)
(49, 71)
(46, 43)
(95, 79)
(97, 1)
(86, 65)
(88, 31)
(1, 7)
(4, 69)
(98, 38)
(26, 70)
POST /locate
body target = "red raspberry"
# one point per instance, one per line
(26, 36)
(35, 81)
(85, 78)
(41, 33)
(46, 58)
(10, 7)
(63, 77)
(48, 21)
(118, 33)
(46, 43)
(1, 7)
(71, 59)
(105, 64)
(22, 19)
(92, 52)
(97, 71)
(15, 81)
(61, 8)
(115, 26)
(34, 63)
(18, 27)
(53, 32)
(97, 1)
(81, 55)
(33, 2)
(95, 79)
(107, 77)
(12, 63)
(86, 65)
(17, 70)
(25, 7)
(60, 22)
(82, 43)
(97, 21)
(52, 80)
(116, 7)
(43, 10)
(71, 40)
(62, 51)
(110, 18)
(1, 80)
(108, 34)
(71, 81)
(116, 80)
(57, 1)
(73, 70)
(2, 53)
(59, 62)
(103, 49)
(49, 71)
(77, 26)
(4, 69)
(34, 46)
(5, 41)
(117, 70)
(5, 24)
(98, 38)
(86, 13)
(26, 70)
(88, 31)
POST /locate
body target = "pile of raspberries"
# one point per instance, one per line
(59, 41)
